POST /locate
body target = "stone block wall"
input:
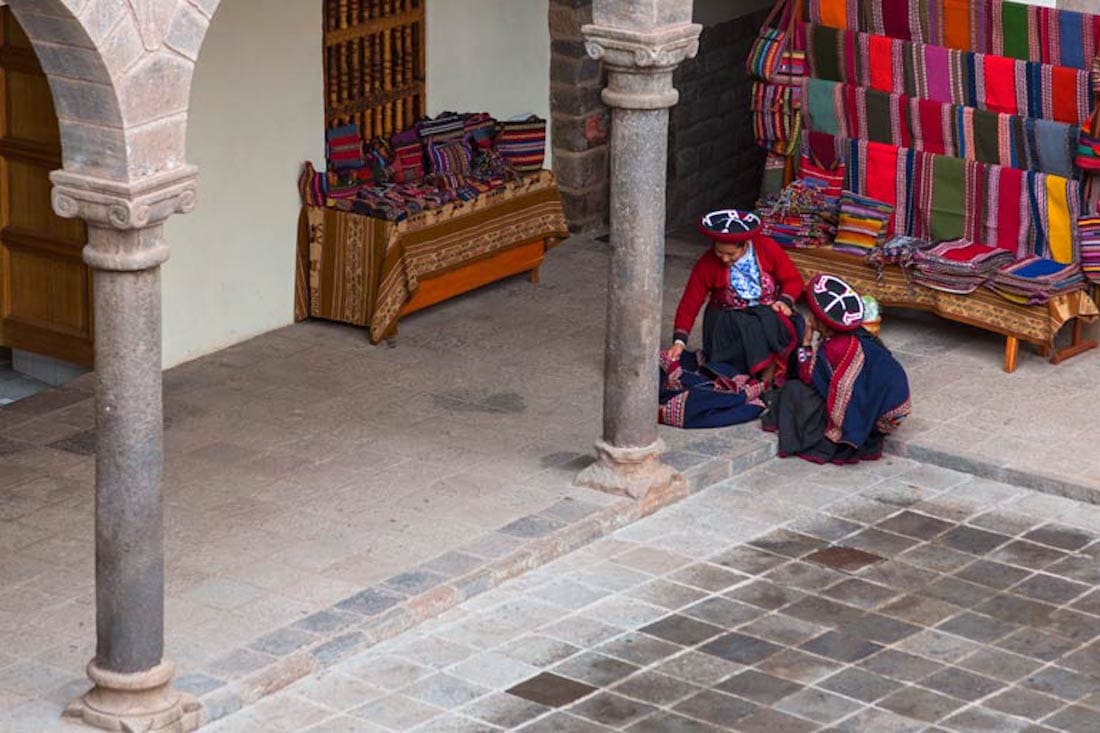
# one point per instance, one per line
(579, 120)
(713, 160)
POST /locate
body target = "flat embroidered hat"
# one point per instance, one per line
(730, 225)
(835, 303)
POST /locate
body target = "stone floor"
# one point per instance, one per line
(13, 385)
(888, 598)
(310, 475)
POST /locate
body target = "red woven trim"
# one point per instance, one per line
(840, 388)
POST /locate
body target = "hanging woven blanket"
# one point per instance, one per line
(965, 78)
(694, 394)
(937, 197)
(1013, 29)
(927, 126)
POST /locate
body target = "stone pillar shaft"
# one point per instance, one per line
(640, 43)
(129, 461)
(636, 277)
(132, 682)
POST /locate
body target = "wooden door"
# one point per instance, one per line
(45, 287)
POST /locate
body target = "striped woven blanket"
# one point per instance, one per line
(1012, 29)
(970, 79)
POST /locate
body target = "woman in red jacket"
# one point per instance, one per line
(750, 321)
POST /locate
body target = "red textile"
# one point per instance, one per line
(1064, 91)
(882, 177)
(1000, 84)
(1009, 189)
(882, 63)
(711, 278)
(931, 126)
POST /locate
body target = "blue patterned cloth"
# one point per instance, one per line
(745, 277)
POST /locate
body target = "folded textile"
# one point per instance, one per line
(1035, 280)
(958, 265)
(799, 216)
(961, 257)
(1088, 229)
(862, 224)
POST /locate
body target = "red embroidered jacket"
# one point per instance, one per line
(710, 276)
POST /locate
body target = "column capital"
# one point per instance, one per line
(641, 63)
(114, 205)
(659, 50)
(124, 218)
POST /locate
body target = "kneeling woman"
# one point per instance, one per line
(852, 392)
(750, 322)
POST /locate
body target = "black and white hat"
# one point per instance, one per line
(730, 225)
(835, 303)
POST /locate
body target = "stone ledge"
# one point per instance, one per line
(702, 469)
(1034, 480)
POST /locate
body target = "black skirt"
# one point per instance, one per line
(798, 414)
(748, 339)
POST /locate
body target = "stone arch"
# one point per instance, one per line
(120, 72)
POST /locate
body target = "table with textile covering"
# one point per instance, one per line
(367, 271)
(1037, 324)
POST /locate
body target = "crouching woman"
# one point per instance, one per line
(750, 286)
(851, 392)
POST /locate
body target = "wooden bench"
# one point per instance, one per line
(984, 309)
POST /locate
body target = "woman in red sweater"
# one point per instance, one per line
(750, 321)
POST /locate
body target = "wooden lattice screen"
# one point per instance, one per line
(374, 64)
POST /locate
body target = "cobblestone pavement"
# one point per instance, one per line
(887, 598)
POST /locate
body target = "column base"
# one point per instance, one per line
(634, 472)
(142, 702)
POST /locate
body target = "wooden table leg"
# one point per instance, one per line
(1044, 350)
(1012, 352)
(1077, 345)
(534, 276)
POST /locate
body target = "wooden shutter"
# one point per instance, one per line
(374, 64)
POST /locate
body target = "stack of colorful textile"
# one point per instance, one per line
(958, 265)
(1088, 229)
(796, 217)
(862, 224)
(453, 157)
(1035, 280)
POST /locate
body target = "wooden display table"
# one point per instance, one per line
(1036, 324)
(369, 272)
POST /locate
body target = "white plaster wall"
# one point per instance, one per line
(256, 114)
(489, 55)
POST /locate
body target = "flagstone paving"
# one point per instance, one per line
(887, 598)
(322, 494)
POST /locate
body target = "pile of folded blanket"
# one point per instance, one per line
(958, 265)
(1035, 280)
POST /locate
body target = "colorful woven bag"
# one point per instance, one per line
(522, 143)
(771, 56)
(777, 124)
(1088, 144)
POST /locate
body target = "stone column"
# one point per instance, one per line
(125, 249)
(640, 43)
